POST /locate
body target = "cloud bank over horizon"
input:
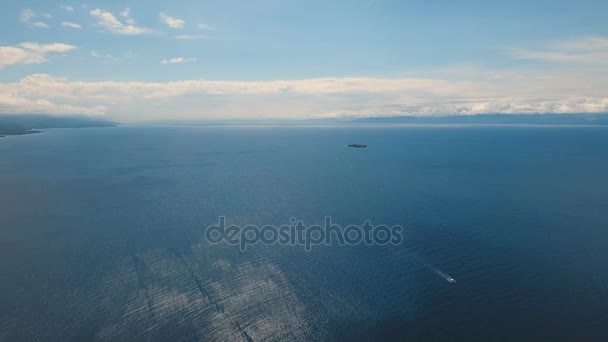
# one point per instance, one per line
(329, 97)
(152, 61)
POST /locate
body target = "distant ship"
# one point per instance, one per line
(451, 280)
(357, 145)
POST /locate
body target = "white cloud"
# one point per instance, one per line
(26, 15)
(67, 8)
(584, 44)
(113, 25)
(30, 53)
(125, 13)
(71, 25)
(205, 27)
(177, 60)
(556, 86)
(47, 15)
(102, 55)
(41, 25)
(588, 51)
(190, 36)
(171, 21)
(12, 104)
(536, 92)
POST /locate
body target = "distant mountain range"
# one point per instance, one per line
(502, 119)
(16, 124)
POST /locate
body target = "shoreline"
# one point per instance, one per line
(4, 134)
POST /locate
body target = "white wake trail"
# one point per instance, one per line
(434, 269)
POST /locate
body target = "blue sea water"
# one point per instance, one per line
(102, 233)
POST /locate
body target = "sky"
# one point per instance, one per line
(147, 60)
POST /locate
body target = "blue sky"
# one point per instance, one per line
(151, 60)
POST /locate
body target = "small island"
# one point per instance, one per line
(358, 145)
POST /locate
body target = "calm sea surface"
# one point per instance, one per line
(102, 233)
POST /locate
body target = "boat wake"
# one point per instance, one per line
(434, 269)
(445, 276)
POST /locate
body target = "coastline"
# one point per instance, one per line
(6, 133)
(22, 124)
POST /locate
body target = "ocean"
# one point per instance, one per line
(102, 233)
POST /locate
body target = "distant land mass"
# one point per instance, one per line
(18, 124)
(477, 119)
(500, 119)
